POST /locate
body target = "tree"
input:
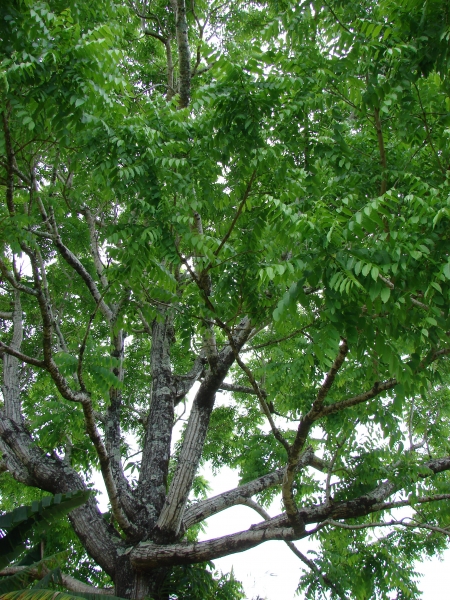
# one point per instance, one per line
(248, 198)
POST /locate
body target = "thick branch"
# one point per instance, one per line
(11, 383)
(381, 150)
(184, 55)
(69, 582)
(169, 522)
(53, 475)
(153, 555)
(156, 453)
(23, 357)
(10, 165)
(206, 508)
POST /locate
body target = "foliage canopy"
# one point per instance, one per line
(249, 201)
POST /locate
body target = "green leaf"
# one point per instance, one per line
(385, 294)
(34, 519)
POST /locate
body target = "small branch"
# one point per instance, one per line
(240, 389)
(352, 33)
(392, 523)
(70, 258)
(14, 283)
(264, 406)
(324, 578)
(409, 502)
(300, 439)
(376, 389)
(427, 130)
(155, 35)
(69, 582)
(238, 213)
(94, 246)
(282, 339)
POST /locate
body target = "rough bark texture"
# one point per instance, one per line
(156, 453)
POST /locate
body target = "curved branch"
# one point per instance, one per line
(23, 357)
(69, 582)
(308, 562)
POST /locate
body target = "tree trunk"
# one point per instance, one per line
(137, 585)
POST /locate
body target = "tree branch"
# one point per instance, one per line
(184, 54)
(53, 475)
(248, 189)
(23, 357)
(69, 582)
(206, 508)
(302, 433)
(263, 404)
(240, 389)
(170, 520)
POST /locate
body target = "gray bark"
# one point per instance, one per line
(53, 475)
(11, 365)
(170, 519)
(156, 452)
(184, 54)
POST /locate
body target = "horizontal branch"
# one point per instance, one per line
(376, 389)
(408, 502)
(149, 555)
(240, 389)
(69, 582)
(12, 280)
(23, 357)
(403, 522)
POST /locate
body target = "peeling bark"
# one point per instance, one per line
(11, 386)
(156, 453)
(170, 519)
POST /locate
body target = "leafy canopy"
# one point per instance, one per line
(304, 187)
